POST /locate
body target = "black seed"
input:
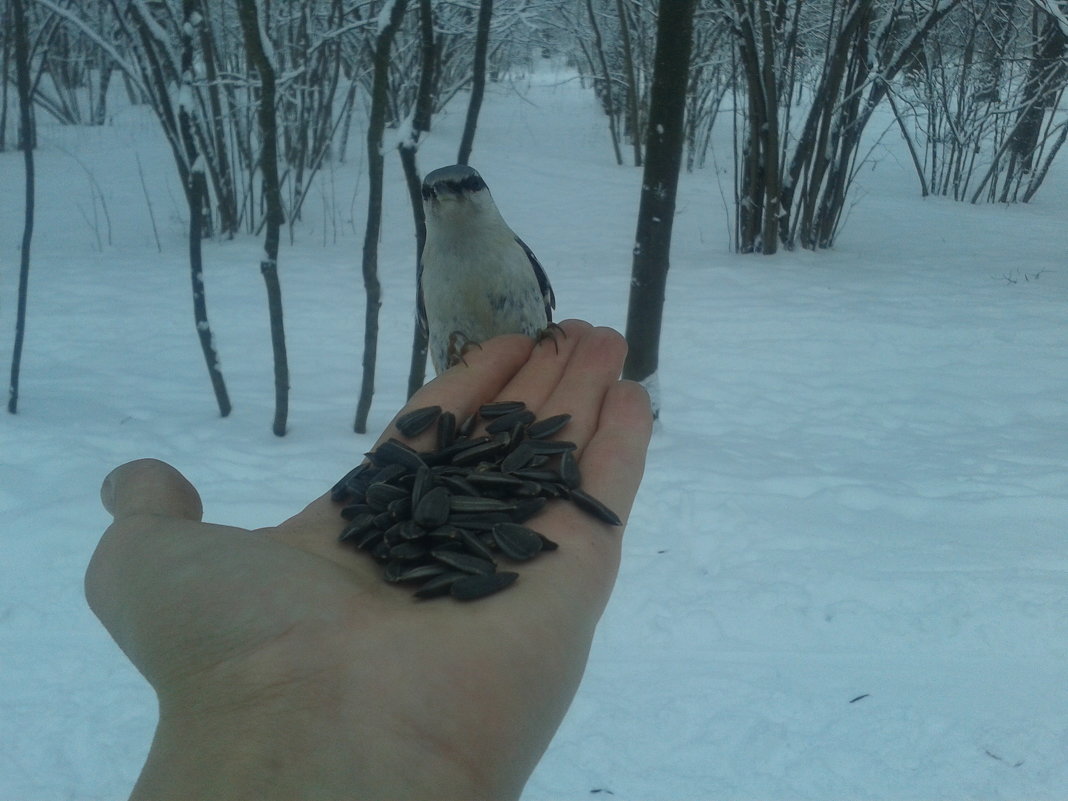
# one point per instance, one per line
(500, 408)
(472, 587)
(341, 489)
(484, 450)
(548, 446)
(463, 561)
(517, 542)
(391, 572)
(369, 540)
(527, 508)
(467, 427)
(422, 572)
(433, 508)
(464, 505)
(384, 520)
(569, 469)
(393, 535)
(588, 503)
(439, 585)
(538, 475)
(408, 551)
(410, 530)
(475, 546)
(353, 509)
(495, 481)
(393, 451)
(518, 458)
(547, 427)
(446, 430)
(401, 508)
(547, 544)
(445, 533)
(460, 486)
(380, 495)
(357, 527)
(390, 474)
(417, 421)
(424, 480)
(506, 422)
(483, 521)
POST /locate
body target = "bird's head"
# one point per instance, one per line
(457, 192)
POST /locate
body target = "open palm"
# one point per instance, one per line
(282, 659)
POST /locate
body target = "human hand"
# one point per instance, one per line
(286, 668)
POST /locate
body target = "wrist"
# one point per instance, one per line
(295, 745)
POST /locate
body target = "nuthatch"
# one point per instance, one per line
(477, 279)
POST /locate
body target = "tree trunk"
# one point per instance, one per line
(478, 80)
(197, 191)
(408, 150)
(656, 214)
(22, 70)
(375, 127)
(5, 57)
(632, 83)
(606, 76)
(252, 25)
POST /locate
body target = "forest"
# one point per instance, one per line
(254, 97)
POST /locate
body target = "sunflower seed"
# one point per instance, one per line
(417, 421)
(506, 422)
(500, 408)
(463, 561)
(393, 451)
(440, 584)
(472, 587)
(349, 512)
(517, 542)
(433, 508)
(518, 458)
(446, 429)
(467, 427)
(357, 526)
(460, 504)
(590, 504)
(550, 446)
(569, 470)
(380, 495)
(547, 427)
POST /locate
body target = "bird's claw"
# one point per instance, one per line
(549, 332)
(459, 344)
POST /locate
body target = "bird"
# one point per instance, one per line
(476, 278)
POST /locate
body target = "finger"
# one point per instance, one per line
(591, 370)
(537, 378)
(614, 460)
(612, 466)
(463, 388)
(149, 486)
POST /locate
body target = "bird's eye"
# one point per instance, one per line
(429, 193)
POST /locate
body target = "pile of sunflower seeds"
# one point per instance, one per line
(441, 518)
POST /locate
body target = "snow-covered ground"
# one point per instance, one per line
(846, 575)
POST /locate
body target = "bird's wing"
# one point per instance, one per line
(420, 305)
(543, 280)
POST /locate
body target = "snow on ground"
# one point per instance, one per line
(846, 575)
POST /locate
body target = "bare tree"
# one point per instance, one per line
(22, 73)
(478, 80)
(656, 213)
(254, 27)
(408, 148)
(389, 23)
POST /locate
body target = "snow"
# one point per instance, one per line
(846, 574)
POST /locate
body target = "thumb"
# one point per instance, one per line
(149, 486)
